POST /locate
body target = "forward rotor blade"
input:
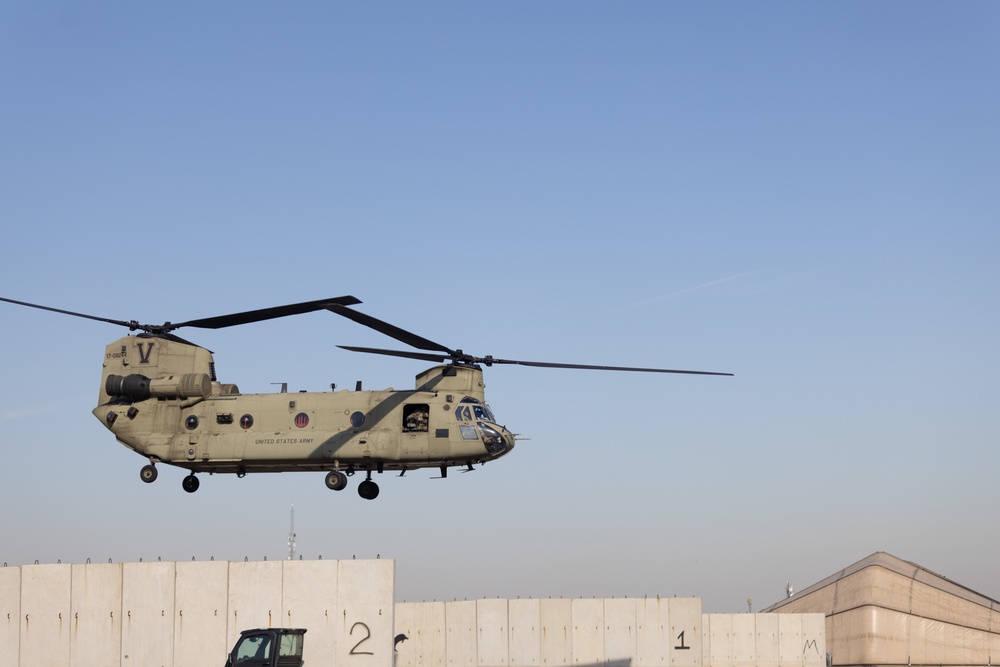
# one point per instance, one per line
(131, 325)
(262, 314)
(437, 358)
(489, 361)
(402, 335)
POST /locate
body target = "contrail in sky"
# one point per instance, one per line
(689, 290)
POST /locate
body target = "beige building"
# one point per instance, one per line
(887, 611)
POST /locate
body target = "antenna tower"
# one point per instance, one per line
(291, 537)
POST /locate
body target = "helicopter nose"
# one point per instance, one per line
(497, 439)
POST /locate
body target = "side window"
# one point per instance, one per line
(291, 645)
(415, 417)
(254, 647)
(463, 413)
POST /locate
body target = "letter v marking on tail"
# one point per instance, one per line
(144, 354)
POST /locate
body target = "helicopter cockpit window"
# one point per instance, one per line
(478, 411)
(495, 443)
(415, 417)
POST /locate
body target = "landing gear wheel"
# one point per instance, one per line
(336, 480)
(148, 473)
(191, 483)
(368, 490)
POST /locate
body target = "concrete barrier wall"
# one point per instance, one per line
(96, 610)
(45, 608)
(622, 632)
(764, 640)
(10, 615)
(551, 633)
(189, 614)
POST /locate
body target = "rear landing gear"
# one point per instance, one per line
(148, 473)
(190, 483)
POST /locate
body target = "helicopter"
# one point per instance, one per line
(161, 398)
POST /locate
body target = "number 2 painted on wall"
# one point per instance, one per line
(368, 635)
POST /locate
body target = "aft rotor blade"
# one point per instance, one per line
(489, 361)
(438, 358)
(131, 325)
(262, 314)
(402, 335)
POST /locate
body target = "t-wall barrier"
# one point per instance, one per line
(189, 614)
(615, 632)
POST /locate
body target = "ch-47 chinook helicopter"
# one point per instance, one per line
(160, 397)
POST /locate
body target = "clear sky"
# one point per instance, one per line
(803, 194)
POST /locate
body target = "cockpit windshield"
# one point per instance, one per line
(493, 437)
(479, 409)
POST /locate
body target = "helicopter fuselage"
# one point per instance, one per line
(160, 398)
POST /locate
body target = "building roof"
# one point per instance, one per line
(887, 561)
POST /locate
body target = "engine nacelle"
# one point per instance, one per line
(139, 387)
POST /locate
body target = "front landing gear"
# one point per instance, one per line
(336, 480)
(190, 483)
(368, 490)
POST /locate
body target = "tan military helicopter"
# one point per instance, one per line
(160, 398)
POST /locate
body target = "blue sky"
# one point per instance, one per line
(801, 194)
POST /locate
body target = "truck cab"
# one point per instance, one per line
(268, 647)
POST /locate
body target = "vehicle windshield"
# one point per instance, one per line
(254, 647)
